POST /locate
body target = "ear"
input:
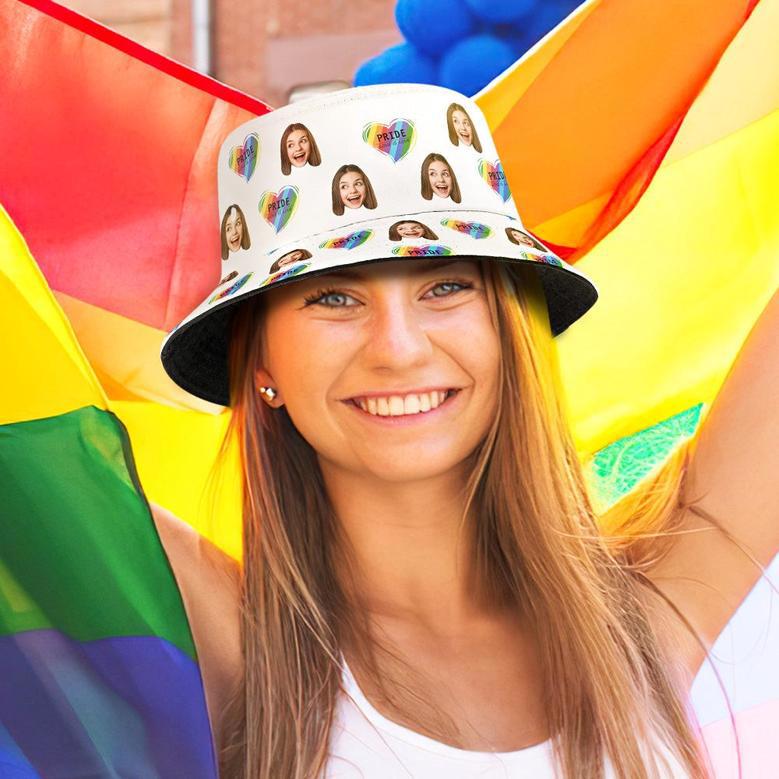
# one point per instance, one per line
(263, 379)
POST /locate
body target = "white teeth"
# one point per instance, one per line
(411, 404)
(396, 406)
(400, 405)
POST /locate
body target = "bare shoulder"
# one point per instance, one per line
(209, 582)
(192, 549)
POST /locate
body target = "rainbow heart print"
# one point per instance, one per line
(494, 176)
(474, 229)
(277, 208)
(243, 159)
(549, 259)
(432, 250)
(351, 241)
(231, 289)
(395, 140)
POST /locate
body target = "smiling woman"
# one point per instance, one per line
(426, 589)
(427, 523)
(392, 332)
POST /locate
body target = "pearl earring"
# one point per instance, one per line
(268, 392)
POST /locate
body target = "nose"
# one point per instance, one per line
(398, 336)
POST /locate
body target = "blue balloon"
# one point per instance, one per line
(543, 19)
(434, 25)
(474, 62)
(528, 31)
(498, 11)
(401, 63)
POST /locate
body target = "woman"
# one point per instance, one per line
(351, 188)
(437, 178)
(460, 127)
(410, 229)
(298, 148)
(234, 232)
(523, 239)
(417, 532)
(296, 255)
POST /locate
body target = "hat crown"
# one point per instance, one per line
(358, 154)
(362, 175)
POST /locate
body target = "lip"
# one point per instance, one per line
(405, 419)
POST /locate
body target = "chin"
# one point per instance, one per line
(406, 467)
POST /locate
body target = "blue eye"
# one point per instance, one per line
(322, 294)
(338, 297)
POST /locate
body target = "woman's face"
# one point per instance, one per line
(351, 186)
(462, 126)
(298, 148)
(440, 178)
(411, 230)
(234, 230)
(362, 365)
(288, 259)
(522, 238)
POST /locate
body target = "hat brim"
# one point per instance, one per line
(195, 354)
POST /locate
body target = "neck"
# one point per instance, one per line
(410, 551)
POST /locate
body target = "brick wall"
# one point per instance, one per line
(263, 47)
(149, 22)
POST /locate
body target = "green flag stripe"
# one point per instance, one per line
(79, 550)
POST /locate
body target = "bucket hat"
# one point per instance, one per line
(351, 177)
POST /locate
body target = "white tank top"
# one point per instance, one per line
(364, 744)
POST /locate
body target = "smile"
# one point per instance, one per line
(411, 404)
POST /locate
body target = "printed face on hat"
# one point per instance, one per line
(411, 229)
(290, 258)
(462, 126)
(395, 365)
(438, 178)
(234, 230)
(235, 234)
(523, 239)
(351, 187)
(229, 277)
(298, 148)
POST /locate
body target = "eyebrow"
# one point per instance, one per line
(423, 265)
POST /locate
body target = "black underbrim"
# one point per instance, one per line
(196, 355)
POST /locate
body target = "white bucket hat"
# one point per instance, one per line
(350, 177)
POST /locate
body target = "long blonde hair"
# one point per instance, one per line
(581, 579)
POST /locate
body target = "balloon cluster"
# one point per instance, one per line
(461, 44)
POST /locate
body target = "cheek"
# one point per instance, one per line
(305, 359)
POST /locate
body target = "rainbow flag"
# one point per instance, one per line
(98, 670)
(621, 153)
